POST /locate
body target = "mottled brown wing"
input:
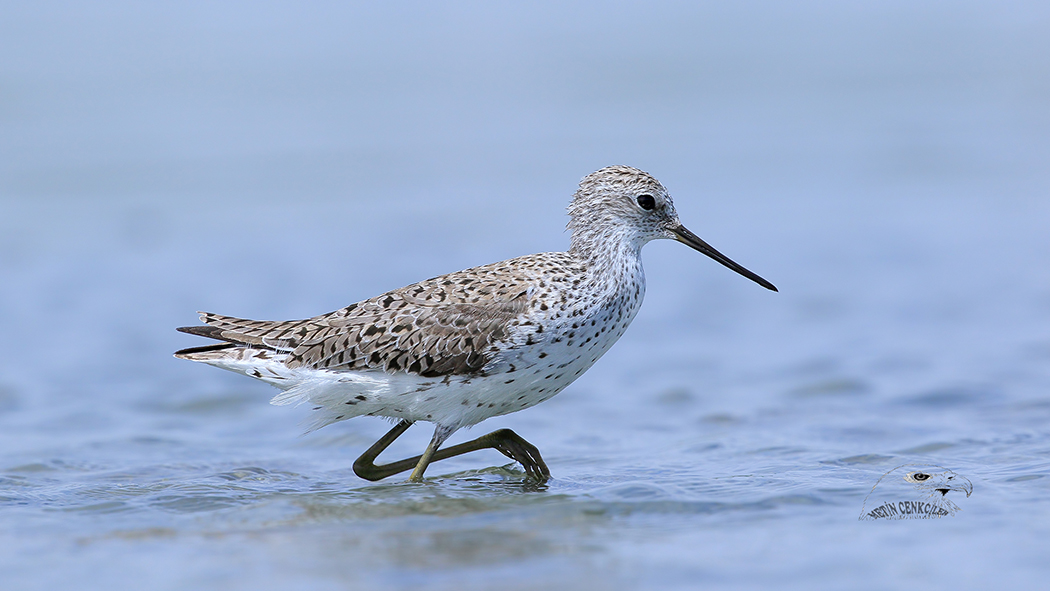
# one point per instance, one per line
(439, 327)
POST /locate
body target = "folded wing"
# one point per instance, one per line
(449, 325)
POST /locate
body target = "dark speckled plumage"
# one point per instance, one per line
(463, 347)
(449, 325)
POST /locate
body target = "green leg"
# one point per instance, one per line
(505, 441)
(440, 435)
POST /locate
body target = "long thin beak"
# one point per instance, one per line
(693, 241)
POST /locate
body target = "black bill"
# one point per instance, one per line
(686, 237)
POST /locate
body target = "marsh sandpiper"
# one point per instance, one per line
(461, 348)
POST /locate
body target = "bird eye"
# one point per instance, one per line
(646, 202)
(920, 476)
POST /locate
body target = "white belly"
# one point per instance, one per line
(520, 376)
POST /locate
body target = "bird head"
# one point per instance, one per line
(625, 205)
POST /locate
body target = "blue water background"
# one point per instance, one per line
(886, 166)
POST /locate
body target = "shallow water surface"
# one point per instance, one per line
(885, 167)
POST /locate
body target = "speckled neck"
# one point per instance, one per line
(612, 254)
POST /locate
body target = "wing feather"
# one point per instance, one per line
(452, 324)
